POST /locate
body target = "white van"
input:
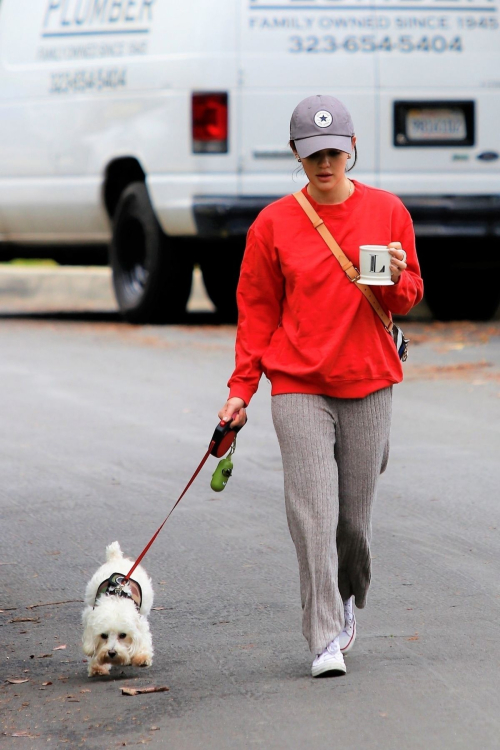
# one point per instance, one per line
(147, 123)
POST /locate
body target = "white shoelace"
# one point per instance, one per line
(333, 648)
(348, 612)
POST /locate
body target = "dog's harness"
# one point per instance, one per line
(118, 585)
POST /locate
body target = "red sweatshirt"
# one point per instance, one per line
(301, 321)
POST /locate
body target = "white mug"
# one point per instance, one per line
(374, 265)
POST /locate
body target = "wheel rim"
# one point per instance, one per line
(132, 258)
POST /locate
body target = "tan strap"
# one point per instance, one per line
(348, 267)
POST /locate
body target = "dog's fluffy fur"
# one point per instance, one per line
(114, 631)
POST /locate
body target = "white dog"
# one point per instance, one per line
(116, 629)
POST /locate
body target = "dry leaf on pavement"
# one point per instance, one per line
(140, 691)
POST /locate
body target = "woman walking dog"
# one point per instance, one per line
(331, 364)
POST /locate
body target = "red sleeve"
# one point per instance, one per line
(409, 290)
(259, 296)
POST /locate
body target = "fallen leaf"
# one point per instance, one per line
(16, 680)
(86, 690)
(413, 638)
(47, 683)
(158, 608)
(59, 648)
(153, 729)
(73, 700)
(25, 619)
(24, 734)
(140, 691)
(41, 656)
(55, 552)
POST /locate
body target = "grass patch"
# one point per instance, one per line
(31, 262)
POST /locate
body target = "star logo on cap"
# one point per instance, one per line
(323, 119)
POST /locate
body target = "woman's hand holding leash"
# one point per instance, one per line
(234, 411)
(398, 263)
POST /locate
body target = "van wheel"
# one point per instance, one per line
(151, 276)
(220, 264)
(467, 289)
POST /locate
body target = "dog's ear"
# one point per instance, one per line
(88, 639)
(88, 642)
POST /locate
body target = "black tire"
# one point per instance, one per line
(220, 264)
(466, 288)
(152, 276)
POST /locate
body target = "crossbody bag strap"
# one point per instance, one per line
(348, 267)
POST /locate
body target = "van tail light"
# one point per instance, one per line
(209, 113)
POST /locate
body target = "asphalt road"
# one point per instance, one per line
(102, 425)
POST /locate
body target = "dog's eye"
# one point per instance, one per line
(104, 636)
(122, 635)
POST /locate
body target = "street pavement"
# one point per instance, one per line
(103, 424)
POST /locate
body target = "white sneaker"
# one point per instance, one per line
(331, 660)
(348, 635)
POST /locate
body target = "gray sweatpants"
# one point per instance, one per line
(333, 452)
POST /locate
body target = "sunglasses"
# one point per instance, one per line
(117, 584)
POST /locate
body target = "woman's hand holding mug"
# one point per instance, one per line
(234, 410)
(398, 262)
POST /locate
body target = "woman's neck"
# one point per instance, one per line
(338, 194)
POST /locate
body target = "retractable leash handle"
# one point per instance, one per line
(222, 440)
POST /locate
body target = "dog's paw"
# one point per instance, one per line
(98, 669)
(142, 660)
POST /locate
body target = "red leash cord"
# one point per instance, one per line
(188, 485)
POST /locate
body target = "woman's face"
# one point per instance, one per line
(325, 169)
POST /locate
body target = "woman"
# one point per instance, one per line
(331, 363)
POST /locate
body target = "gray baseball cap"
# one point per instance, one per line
(320, 122)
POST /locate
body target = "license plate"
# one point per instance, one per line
(424, 124)
(436, 125)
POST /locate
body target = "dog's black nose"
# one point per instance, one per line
(111, 654)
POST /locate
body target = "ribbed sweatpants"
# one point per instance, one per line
(333, 452)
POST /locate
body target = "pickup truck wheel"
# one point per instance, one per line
(220, 264)
(467, 288)
(151, 276)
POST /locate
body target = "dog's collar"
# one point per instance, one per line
(118, 585)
